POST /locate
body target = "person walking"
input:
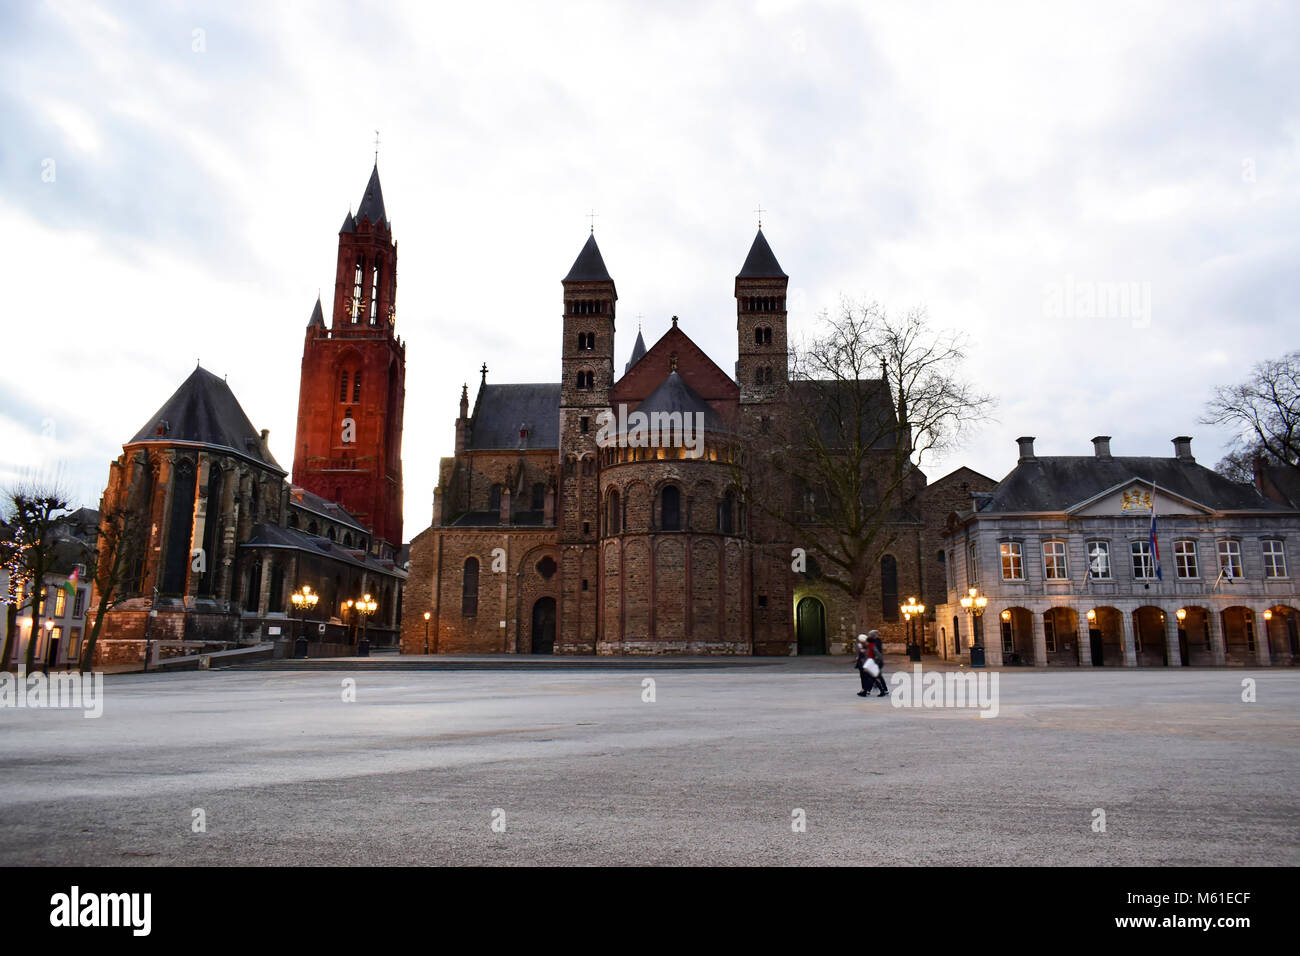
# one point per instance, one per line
(864, 653)
(876, 653)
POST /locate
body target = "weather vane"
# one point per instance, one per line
(592, 216)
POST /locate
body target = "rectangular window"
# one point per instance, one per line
(1230, 559)
(972, 566)
(1099, 560)
(1185, 558)
(60, 602)
(1049, 632)
(356, 387)
(343, 387)
(79, 606)
(45, 599)
(1143, 564)
(584, 424)
(1274, 559)
(1054, 568)
(952, 584)
(1013, 568)
(374, 295)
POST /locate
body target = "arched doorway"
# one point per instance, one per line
(1017, 625)
(1239, 635)
(543, 632)
(810, 622)
(1283, 629)
(1194, 635)
(1105, 637)
(1150, 636)
(1061, 636)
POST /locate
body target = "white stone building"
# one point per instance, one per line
(1062, 550)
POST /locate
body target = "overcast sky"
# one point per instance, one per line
(1007, 166)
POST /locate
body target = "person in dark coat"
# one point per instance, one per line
(876, 652)
(860, 664)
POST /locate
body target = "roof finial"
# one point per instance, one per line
(484, 370)
(592, 216)
(759, 210)
(639, 317)
(376, 147)
(674, 321)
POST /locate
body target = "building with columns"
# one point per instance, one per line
(1062, 548)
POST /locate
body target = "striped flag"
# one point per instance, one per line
(71, 584)
(1155, 546)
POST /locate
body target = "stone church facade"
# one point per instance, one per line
(554, 531)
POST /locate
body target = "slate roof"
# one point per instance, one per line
(1285, 480)
(317, 316)
(761, 262)
(589, 266)
(1055, 483)
(500, 410)
(274, 536)
(311, 501)
(492, 519)
(372, 203)
(638, 352)
(349, 223)
(674, 395)
(834, 398)
(205, 411)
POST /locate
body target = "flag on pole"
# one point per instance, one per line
(1155, 546)
(71, 584)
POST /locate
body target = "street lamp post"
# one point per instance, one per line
(365, 606)
(910, 610)
(303, 601)
(427, 615)
(975, 603)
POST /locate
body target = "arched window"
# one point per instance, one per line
(889, 588)
(469, 589)
(312, 529)
(726, 512)
(613, 520)
(275, 603)
(331, 533)
(356, 387)
(293, 522)
(670, 509)
(211, 527)
(347, 539)
(374, 296)
(180, 528)
(494, 498)
(539, 496)
(343, 385)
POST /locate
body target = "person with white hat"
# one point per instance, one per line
(864, 654)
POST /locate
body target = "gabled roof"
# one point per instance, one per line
(1058, 483)
(349, 223)
(590, 265)
(638, 350)
(205, 411)
(674, 395)
(317, 316)
(372, 203)
(500, 411)
(761, 262)
(1141, 484)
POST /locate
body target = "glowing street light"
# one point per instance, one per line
(303, 601)
(974, 603)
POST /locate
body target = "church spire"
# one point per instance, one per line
(372, 203)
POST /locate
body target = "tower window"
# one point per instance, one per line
(356, 291)
(374, 294)
(584, 424)
(586, 380)
(586, 341)
(343, 386)
(539, 496)
(670, 509)
(356, 387)
(469, 589)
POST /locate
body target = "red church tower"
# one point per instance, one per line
(353, 387)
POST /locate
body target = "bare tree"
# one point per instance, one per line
(33, 512)
(120, 548)
(1239, 465)
(1263, 411)
(871, 396)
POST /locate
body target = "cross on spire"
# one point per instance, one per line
(376, 147)
(592, 216)
(484, 370)
(759, 210)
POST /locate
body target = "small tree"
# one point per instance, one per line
(34, 510)
(871, 396)
(121, 545)
(1263, 411)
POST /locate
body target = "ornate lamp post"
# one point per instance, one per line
(303, 601)
(910, 610)
(975, 603)
(365, 606)
(427, 615)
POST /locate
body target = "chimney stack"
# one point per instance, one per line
(1101, 446)
(1183, 448)
(1026, 448)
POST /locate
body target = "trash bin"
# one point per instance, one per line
(300, 648)
(977, 657)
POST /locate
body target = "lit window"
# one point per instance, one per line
(1185, 558)
(1054, 567)
(1143, 564)
(1013, 568)
(1099, 560)
(1230, 559)
(1274, 559)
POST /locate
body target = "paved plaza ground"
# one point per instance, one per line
(585, 771)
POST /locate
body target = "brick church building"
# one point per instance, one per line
(554, 533)
(229, 538)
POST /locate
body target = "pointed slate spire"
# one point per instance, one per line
(372, 203)
(638, 351)
(589, 266)
(349, 224)
(761, 263)
(317, 316)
